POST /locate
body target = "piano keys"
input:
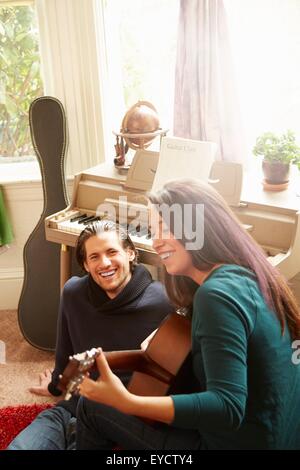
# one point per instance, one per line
(74, 221)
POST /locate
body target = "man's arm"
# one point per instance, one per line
(48, 380)
(63, 348)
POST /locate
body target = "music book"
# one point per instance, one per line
(142, 170)
(183, 158)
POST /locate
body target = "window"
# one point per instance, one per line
(20, 81)
(265, 44)
(266, 52)
(141, 36)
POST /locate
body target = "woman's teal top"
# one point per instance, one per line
(252, 385)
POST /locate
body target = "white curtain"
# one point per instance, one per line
(72, 46)
(206, 104)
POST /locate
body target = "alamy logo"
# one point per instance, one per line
(187, 220)
(296, 354)
(2, 352)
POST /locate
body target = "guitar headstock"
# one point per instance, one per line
(75, 371)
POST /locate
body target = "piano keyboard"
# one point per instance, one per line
(74, 222)
(272, 220)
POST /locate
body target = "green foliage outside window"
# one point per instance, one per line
(20, 81)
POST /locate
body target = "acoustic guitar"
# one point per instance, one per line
(155, 368)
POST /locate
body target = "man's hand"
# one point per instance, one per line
(42, 388)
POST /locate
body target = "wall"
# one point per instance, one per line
(24, 201)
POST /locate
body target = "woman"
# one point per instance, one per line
(244, 320)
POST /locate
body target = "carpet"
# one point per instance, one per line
(13, 419)
(21, 364)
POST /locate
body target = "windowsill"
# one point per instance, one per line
(254, 192)
(28, 172)
(20, 172)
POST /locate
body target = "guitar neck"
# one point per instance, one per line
(137, 360)
(125, 360)
(160, 361)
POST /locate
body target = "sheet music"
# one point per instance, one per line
(183, 158)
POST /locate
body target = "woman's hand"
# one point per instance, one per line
(108, 389)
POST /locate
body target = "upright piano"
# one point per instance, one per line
(271, 218)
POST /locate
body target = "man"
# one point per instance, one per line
(115, 306)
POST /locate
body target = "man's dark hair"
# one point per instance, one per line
(97, 228)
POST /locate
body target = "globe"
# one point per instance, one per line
(140, 126)
(141, 118)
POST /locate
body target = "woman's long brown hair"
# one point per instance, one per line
(225, 242)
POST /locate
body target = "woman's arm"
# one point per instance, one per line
(154, 408)
(110, 391)
(221, 328)
(222, 331)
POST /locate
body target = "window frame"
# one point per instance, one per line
(8, 168)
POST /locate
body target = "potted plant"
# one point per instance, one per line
(278, 152)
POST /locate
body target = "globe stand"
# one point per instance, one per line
(139, 127)
(136, 141)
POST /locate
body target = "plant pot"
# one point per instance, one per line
(276, 172)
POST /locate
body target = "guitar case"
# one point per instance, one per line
(39, 300)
